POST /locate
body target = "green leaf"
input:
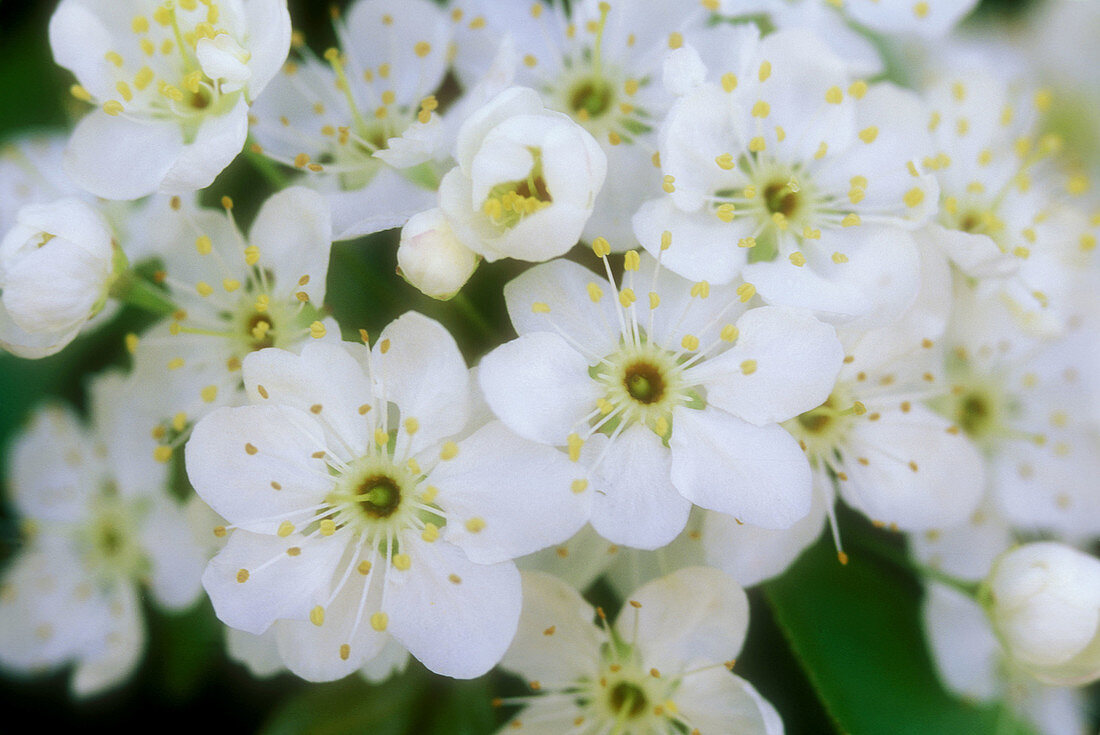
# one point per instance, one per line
(857, 631)
(187, 645)
(352, 706)
(460, 708)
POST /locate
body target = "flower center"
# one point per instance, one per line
(779, 198)
(379, 496)
(509, 202)
(822, 430)
(643, 383)
(627, 699)
(592, 96)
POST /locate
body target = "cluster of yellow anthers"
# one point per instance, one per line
(180, 80)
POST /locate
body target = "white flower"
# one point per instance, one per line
(431, 258)
(31, 172)
(1044, 601)
(601, 64)
(57, 263)
(671, 407)
(358, 516)
(173, 81)
(662, 667)
(101, 523)
(361, 122)
(787, 172)
(233, 295)
(526, 179)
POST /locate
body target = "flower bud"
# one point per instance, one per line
(526, 179)
(431, 258)
(56, 267)
(1044, 602)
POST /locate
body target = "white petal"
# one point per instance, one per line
(392, 660)
(718, 701)
(417, 366)
(963, 646)
(795, 359)
(917, 474)
(258, 653)
(564, 287)
(294, 234)
(268, 40)
(122, 649)
(523, 493)
(456, 617)
(557, 642)
(387, 202)
(54, 471)
(757, 474)
(218, 141)
(752, 555)
(237, 483)
(636, 504)
(692, 616)
(538, 385)
(174, 552)
(118, 158)
(324, 375)
(703, 247)
(277, 585)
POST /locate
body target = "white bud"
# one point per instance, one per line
(526, 180)
(56, 267)
(222, 58)
(1044, 602)
(431, 258)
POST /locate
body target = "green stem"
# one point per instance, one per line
(136, 291)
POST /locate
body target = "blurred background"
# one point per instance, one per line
(186, 678)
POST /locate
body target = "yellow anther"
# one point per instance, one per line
(114, 57)
(668, 183)
(690, 342)
(921, 10)
(231, 284)
(855, 196)
(834, 96)
(594, 292)
(575, 443)
(251, 255)
(317, 330)
(757, 144)
(725, 162)
(726, 212)
(868, 134)
(1043, 100)
(746, 242)
(536, 10)
(666, 240)
(765, 71)
(162, 454)
(219, 531)
(729, 333)
(614, 138)
(381, 437)
(700, 290)
(631, 260)
(430, 533)
(746, 291)
(449, 450)
(80, 93)
(810, 233)
(627, 297)
(379, 621)
(761, 109)
(839, 258)
(748, 367)
(857, 89)
(112, 107)
(729, 81)
(242, 576)
(475, 524)
(317, 616)
(328, 527)
(175, 363)
(630, 86)
(797, 258)
(822, 150)
(402, 562)
(601, 247)
(850, 220)
(780, 133)
(605, 406)
(540, 307)
(124, 90)
(914, 197)
(209, 393)
(285, 529)
(654, 299)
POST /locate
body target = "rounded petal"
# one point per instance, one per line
(526, 495)
(715, 700)
(539, 386)
(557, 642)
(693, 616)
(963, 646)
(795, 360)
(456, 617)
(175, 553)
(117, 158)
(703, 247)
(121, 650)
(758, 474)
(276, 584)
(253, 464)
(218, 141)
(636, 504)
(268, 40)
(294, 234)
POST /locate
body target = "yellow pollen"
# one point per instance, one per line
(317, 616)
(627, 297)
(857, 89)
(430, 532)
(112, 107)
(914, 197)
(668, 183)
(449, 450)
(761, 109)
(594, 292)
(746, 291)
(209, 393)
(285, 529)
(379, 621)
(654, 299)
(850, 220)
(402, 562)
(729, 81)
(666, 240)
(345, 651)
(328, 527)
(162, 454)
(317, 330)
(797, 258)
(631, 260)
(748, 367)
(578, 486)
(363, 567)
(869, 134)
(231, 285)
(242, 576)
(601, 247)
(575, 444)
(765, 71)
(921, 10)
(690, 342)
(834, 96)
(725, 161)
(475, 524)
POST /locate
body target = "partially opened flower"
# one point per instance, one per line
(669, 402)
(57, 264)
(365, 508)
(662, 667)
(173, 82)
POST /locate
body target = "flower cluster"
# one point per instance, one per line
(757, 280)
